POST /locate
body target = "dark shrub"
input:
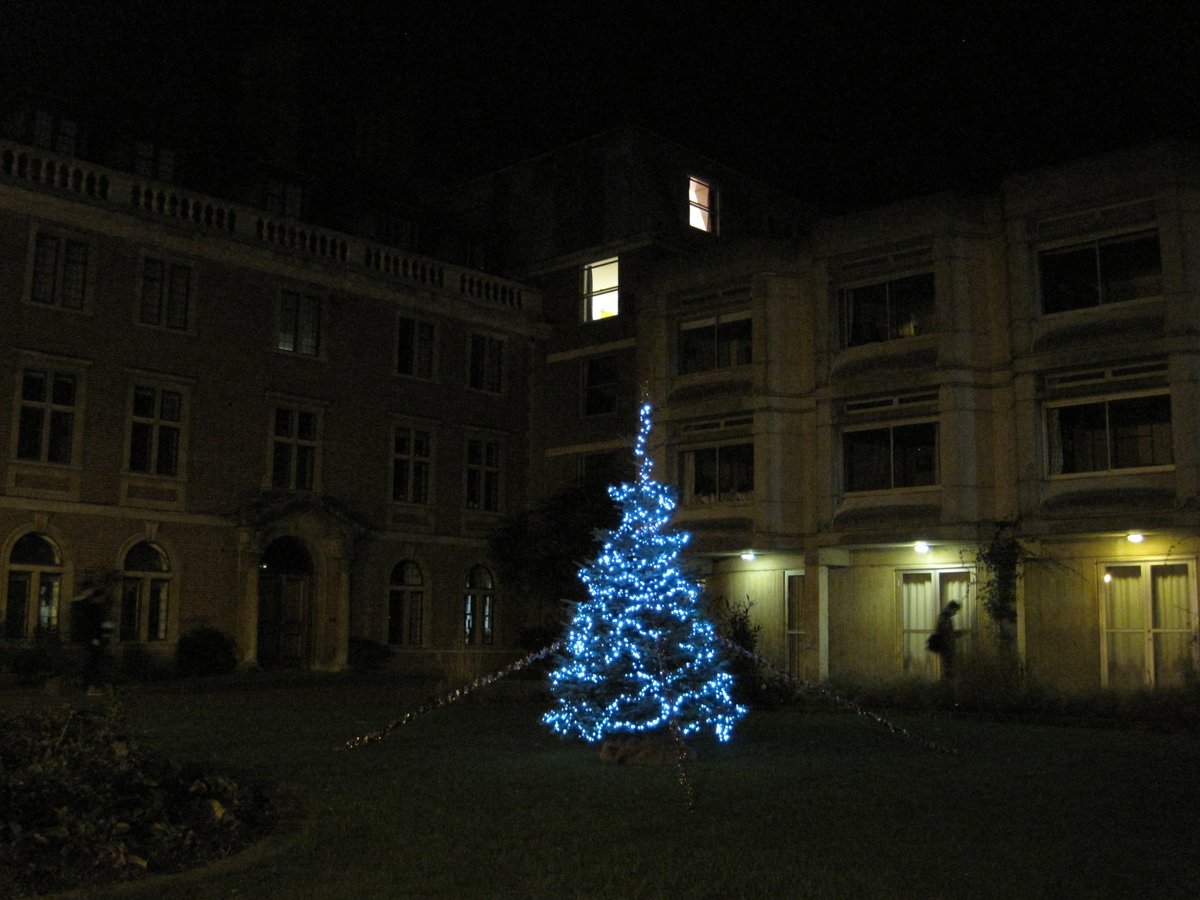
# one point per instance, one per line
(205, 651)
(31, 664)
(81, 806)
(754, 684)
(139, 664)
(364, 653)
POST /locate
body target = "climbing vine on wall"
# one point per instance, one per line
(1001, 559)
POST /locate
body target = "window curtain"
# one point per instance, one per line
(1172, 623)
(919, 611)
(1125, 624)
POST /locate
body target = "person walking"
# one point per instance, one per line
(943, 638)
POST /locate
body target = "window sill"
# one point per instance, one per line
(1132, 319)
(867, 506)
(907, 352)
(702, 502)
(1108, 473)
(296, 354)
(30, 478)
(154, 491)
(1100, 308)
(1118, 489)
(408, 516)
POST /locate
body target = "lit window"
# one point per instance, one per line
(299, 324)
(1111, 270)
(294, 447)
(410, 465)
(899, 456)
(715, 343)
(923, 595)
(1148, 617)
(701, 208)
(48, 421)
(715, 474)
(406, 598)
(1126, 433)
(479, 607)
(155, 431)
(166, 295)
(601, 298)
(887, 310)
(145, 594)
(60, 269)
(34, 587)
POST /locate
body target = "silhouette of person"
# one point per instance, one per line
(942, 640)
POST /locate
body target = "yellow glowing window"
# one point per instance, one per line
(600, 290)
(700, 205)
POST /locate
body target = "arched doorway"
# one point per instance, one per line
(285, 599)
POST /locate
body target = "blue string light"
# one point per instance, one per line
(638, 655)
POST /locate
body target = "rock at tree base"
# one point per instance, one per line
(654, 749)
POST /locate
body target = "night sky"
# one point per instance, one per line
(843, 104)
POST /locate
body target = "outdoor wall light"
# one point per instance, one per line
(1135, 537)
(749, 556)
(921, 547)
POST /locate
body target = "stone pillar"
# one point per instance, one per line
(332, 635)
(249, 555)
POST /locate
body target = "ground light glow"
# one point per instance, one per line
(639, 656)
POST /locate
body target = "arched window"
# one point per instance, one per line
(406, 597)
(34, 587)
(479, 607)
(145, 594)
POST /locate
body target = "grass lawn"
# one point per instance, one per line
(477, 799)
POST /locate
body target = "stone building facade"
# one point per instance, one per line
(303, 436)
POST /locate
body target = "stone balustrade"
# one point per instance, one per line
(59, 174)
(64, 173)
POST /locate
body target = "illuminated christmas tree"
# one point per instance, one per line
(639, 657)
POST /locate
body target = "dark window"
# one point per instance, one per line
(166, 295)
(145, 594)
(154, 439)
(1112, 434)
(406, 597)
(46, 428)
(718, 343)
(299, 324)
(59, 272)
(414, 348)
(294, 450)
(712, 474)
(410, 465)
(487, 363)
(483, 475)
(1111, 270)
(900, 307)
(600, 385)
(900, 456)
